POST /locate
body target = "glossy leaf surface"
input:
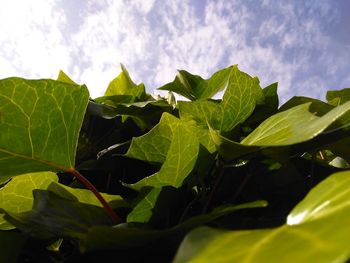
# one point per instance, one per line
(316, 230)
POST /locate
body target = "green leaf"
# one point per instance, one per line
(11, 244)
(317, 107)
(53, 216)
(123, 85)
(85, 196)
(17, 197)
(142, 212)
(154, 145)
(193, 87)
(180, 160)
(338, 97)
(316, 231)
(64, 78)
(125, 236)
(146, 114)
(241, 96)
(39, 124)
(293, 126)
(280, 131)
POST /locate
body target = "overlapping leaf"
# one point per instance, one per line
(338, 97)
(241, 96)
(316, 230)
(17, 196)
(193, 87)
(142, 212)
(180, 160)
(281, 130)
(39, 124)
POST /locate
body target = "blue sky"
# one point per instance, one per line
(304, 45)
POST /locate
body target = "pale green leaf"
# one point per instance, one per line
(65, 78)
(317, 231)
(293, 126)
(123, 85)
(40, 122)
(16, 196)
(279, 132)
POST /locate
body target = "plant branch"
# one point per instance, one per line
(115, 218)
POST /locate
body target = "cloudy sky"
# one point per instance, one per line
(302, 44)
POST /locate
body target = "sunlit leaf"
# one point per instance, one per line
(316, 231)
(39, 124)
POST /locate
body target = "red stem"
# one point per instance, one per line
(115, 218)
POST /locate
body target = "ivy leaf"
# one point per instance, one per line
(53, 216)
(142, 212)
(126, 236)
(338, 97)
(123, 85)
(146, 114)
(39, 124)
(17, 197)
(154, 145)
(317, 107)
(241, 96)
(280, 131)
(180, 160)
(316, 230)
(193, 87)
(64, 78)
(293, 126)
(85, 196)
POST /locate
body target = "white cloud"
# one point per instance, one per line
(34, 47)
(277, 41)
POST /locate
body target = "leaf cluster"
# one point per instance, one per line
(236, 178)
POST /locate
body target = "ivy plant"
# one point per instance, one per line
(135, 178)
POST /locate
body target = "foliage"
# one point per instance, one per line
(237, 179)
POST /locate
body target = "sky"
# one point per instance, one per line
(304, 45)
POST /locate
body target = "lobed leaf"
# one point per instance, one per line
(241, 96)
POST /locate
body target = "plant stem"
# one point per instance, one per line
(115, 218)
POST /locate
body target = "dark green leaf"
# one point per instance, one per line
(11, 244)
(193, 87)
(338, 97)
(241, 96)
(54, 216)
